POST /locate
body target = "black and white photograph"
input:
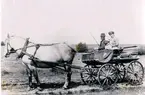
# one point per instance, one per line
(72, 47)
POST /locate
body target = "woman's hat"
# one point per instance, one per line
(111, 32)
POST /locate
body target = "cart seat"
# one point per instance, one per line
(101, 56)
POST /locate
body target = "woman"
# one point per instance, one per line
(113, 41)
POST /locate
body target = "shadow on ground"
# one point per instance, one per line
(57, 85)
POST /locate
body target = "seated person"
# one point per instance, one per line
(103, 42)
(113, 41)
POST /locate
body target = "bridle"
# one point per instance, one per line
(11, 50)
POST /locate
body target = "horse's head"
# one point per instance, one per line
(12, 45)
(8, 49)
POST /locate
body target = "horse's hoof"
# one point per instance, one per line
(39, 88)
(30, 89)
(65, 88)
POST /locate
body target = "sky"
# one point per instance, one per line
(72, 21)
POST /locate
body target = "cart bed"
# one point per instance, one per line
(105, 56)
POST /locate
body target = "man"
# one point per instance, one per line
(113, 41)
(103, 42)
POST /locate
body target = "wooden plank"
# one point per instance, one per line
(39, 44)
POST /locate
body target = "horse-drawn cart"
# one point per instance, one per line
(110, 66)
(103, 66)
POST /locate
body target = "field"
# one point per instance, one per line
(15, 81)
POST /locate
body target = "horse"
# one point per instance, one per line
(52, 54)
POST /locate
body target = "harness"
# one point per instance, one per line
(33, 56)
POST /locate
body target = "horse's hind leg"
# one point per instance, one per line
(67, 77)
(35, 73)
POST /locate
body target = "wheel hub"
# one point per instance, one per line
(135, 74)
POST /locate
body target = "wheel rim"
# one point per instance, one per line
(88, 75)
(107, 75)
(120, 72)
(135, 73)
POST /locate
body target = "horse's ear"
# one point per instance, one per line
(8, 36)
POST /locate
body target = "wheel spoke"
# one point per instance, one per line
(109, 70)
(85, 76)
(121, 73)
(104, 81)
(112, 74)
(112, 79)
(129, 68)
(103, 72)
(119, 76)
(88, 78)
(87, 69)
(86, 73)
(130, 72)
(94, 79)
(102, 77)
(132, 66)
(107, 82)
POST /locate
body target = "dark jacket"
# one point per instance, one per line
(102, 45)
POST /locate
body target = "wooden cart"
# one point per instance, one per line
(107, 67)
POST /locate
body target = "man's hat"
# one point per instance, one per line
(111, 32)
(103, 34)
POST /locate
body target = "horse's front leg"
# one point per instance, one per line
(29, 73)
(35, 73)
(67, 77)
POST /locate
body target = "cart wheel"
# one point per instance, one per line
(107, 75)
(88, 75)
(120, 71)
(135, 73)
